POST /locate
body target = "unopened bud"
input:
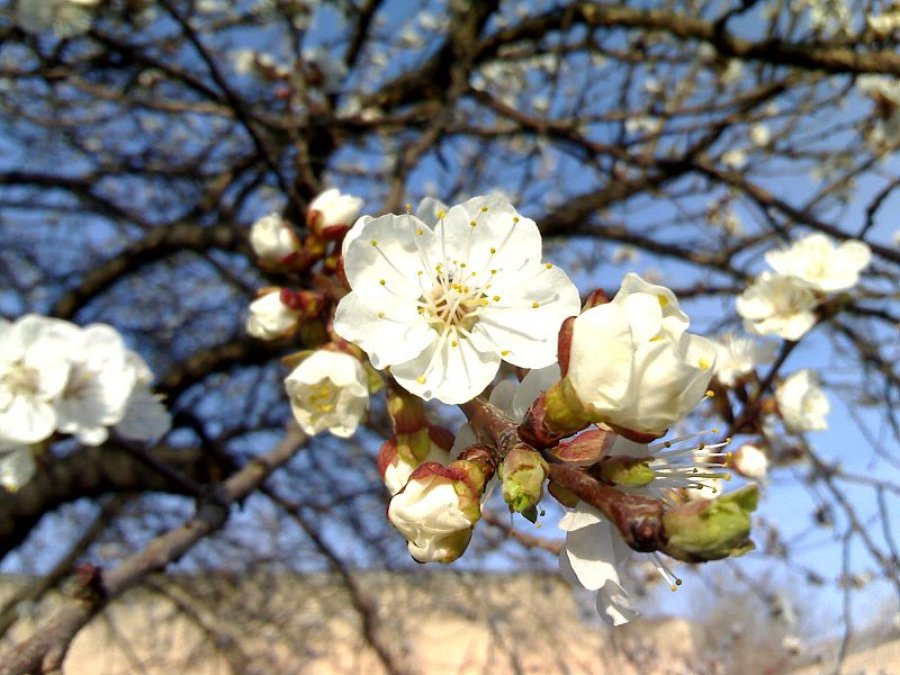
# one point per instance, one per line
(711, 529)
(523, 472)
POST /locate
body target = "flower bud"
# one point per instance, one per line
(632, 364)
(711, 529)
(523, 472)
(272, 239)
(270, 318)
(331, 213)
(438, 508)
(633, 472)
(402, 453)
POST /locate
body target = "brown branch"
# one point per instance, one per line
(46, 649)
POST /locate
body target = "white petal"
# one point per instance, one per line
(389, 331)
(450, 374)
(614, 605)
(591, 555)
(17, 467)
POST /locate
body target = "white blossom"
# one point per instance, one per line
(99, 385)
(738, 356)
(33, 373)
(430, 514)
(328, 391)
(17, 466)
(802, 404)
(65, 18)
(760, 135)
(272, 238)
(778, 304)
(633, 365)
(750, 461)
(270, 318)
(735, 159)
(816, 260)
(442, 307)
(333, 208)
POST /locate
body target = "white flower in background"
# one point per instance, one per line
(750, 461)
(244, 60)
(816, 260)
(33, 373)
(778, 304)
(760, 135)
(272, 238)
(643, 124)
(887, 23)
(17, 467)
(328, 391)
(99, 385)
(270, 318)
(145, 417)
(738, 356)
(706, 488)
(430, 514)
(65, 18)
(633, 365)
(330, 71)
(442, 307)
(592, 553)
(333, 209)
(735, 159)
(802, 404)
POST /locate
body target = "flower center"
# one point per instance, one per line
(321, 397)
(22, 380)
(451, 304)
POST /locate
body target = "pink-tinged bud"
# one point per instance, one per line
(595, 298)
(523, 472)
(403, 453)
(270, 318)
(331, 214)
(585, 449)
(437, 509)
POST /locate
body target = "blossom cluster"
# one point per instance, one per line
(783, 302)
(434, 302)
(56, 377)
(64, 18)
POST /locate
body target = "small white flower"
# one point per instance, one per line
(429, 513)
(802, 404)
(99, 385)
(735, 159)
(270, 318)
(738, 356)
(273, 239)
(760, 135)
(33, 373)
(778, 304)
(816, 260)
(244, 61)
(632, 363)
(333, 209)
(17, 467)
(65, 18)
(443, 307)
(750, 461)
(328, 391)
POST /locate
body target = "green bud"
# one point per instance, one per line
(523, 472)
(711, 529)
(626, 471)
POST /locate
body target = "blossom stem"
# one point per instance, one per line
(638, 519)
